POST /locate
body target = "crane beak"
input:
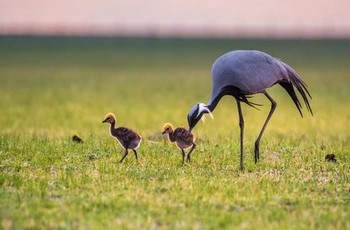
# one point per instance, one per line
(163, 132)
(197, 113)
(105, 120)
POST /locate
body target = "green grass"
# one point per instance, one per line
(53, 88)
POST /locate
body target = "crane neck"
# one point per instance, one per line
(213, 101)
(217, 95)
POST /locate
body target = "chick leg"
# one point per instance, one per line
(135, 153)
(183, 156)
(126, 153)
(189, 154)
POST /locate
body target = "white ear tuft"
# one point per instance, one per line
(204, 109)
(211, 115)
(203, 119)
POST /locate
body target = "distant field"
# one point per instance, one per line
(53, 88)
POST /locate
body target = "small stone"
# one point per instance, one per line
(77, 139)
(330, 157)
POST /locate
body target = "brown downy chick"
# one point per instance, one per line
(183, 138)
(126, 137)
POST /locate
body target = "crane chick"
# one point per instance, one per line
(183, 138)
(126, 137)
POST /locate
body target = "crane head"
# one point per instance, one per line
(196, 113)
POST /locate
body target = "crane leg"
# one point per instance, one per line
(257, 142)
(189, 154)
(241, 126)
(135, 153)
(126, 153)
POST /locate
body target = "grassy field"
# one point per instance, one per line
(54, 88)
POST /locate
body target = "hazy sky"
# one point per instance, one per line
(325, 18)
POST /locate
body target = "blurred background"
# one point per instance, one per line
(195, 18)
(64, 64)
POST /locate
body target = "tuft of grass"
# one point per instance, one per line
(54, 88)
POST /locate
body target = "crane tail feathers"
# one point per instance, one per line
(295, 81)
(289, 88)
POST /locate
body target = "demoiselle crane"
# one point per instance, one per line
(243, 73)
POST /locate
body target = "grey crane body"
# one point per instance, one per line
(243, 73)
(250, 71)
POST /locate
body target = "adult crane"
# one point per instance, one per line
(243, 73)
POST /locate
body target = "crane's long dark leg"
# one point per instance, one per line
(189, 154)
(135, 153)
(126, 153)
(241, 125)
(257, 142)
(183, 156)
